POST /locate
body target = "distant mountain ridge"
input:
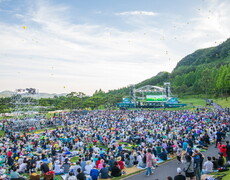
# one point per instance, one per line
(36, 96)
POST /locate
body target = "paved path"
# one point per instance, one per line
(169, 168)
(217, 107)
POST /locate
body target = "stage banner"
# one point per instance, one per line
(158, 98)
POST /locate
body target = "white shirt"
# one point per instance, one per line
(22, 167)
(20, 160)
(71, 178)
(208, 166)
(57, 168)
(74, 168)
(88, 169)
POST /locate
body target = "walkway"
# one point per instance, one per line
(169, 168)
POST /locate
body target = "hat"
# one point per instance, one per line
(179, 170)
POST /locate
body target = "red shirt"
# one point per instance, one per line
(9, 153)
(223, 150)
(121, 165)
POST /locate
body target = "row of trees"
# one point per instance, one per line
(73, 100)
(205, 79)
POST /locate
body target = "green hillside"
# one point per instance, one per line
(218, 54)
(205, 71)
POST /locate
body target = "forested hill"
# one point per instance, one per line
(206, 71)
(216, 54)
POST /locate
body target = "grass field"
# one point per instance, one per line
(226, 175)
(223, 102)
(193, 101)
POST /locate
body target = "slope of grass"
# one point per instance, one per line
(193, 101)
(224, 102)
(225, 175)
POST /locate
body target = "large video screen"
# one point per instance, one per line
(156, 98)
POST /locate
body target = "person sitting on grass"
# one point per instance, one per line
(14, 175)
(128, 162)
(88, 167)
(94, 173)
(120, 163)
(221, 160)
(104, 172)
(208, 166)
(71, 176)
(163, 155)
(81, 175)
(57, 168)
(115, 171)
(215, 163)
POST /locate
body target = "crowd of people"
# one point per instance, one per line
(103, 143)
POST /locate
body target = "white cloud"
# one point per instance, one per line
(210, 27)
(139, 13)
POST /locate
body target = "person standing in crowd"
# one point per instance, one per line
(179, 154)
(198, 161)
(149, 162)
(189, 168)
(219, 135)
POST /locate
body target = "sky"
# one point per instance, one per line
(61, 46)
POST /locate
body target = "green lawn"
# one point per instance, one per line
(193, 101)
(224, 102)
(226, 175)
